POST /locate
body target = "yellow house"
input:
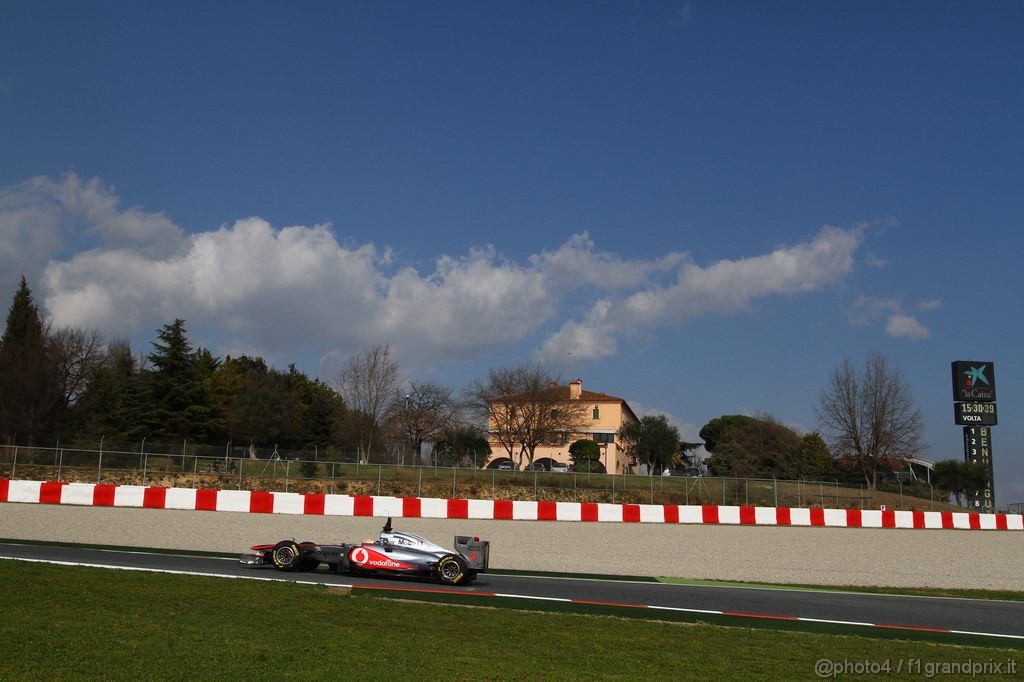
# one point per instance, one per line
(599, 417)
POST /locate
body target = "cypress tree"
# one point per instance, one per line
(30, 393)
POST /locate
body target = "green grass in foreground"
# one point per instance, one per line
(72, 623)
(1003, 595)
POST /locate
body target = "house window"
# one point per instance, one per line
(604, 437)
(597, 412)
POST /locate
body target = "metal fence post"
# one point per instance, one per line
(14, 466)
(419, 485)
(455, 472)
(60, 463)
(195, 467)
(380, 471)
(99, 468)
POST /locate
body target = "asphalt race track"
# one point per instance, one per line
(963, 616)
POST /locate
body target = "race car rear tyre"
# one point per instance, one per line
(286, 555)
(452, 570)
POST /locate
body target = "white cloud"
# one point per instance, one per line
(724, 287)
(577, 264)
(282, 292)
(299, 288)
(906, 326)
(866, 309)
(874, 261)
(30, 233)
(41, 217)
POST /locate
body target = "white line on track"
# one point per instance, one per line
(511, 596)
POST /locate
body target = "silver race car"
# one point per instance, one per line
(393, 554)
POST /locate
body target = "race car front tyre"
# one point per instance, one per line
(452, 570)
(286, 555)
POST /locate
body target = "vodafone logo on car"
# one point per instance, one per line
(369, 558)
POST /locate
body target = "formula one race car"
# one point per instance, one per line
(393, 553)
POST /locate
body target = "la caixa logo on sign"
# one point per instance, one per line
(974, 381)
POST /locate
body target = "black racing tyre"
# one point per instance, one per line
(286, 555)
(452, 570)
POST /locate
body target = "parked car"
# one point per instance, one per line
(506, 466)
(558, 467)
(535, 467)
(692, 471)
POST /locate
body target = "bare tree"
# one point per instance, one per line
(870, 417)
(525, 407)
(77, 352)
(425, 411)
(368, 384)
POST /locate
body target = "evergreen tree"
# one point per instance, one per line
(265, 412)
(180, 406)
(116, 399)
(31, 395)
(815, 458)
(752, 447)
(586, 456)
(462, 446)
(322, 409)
(652, 441)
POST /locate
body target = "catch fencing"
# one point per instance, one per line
(199, 467)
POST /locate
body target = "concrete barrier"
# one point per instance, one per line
(101, 495)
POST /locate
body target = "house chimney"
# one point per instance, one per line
(575, 389)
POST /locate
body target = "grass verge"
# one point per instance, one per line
(1001, 595)
(63, 623)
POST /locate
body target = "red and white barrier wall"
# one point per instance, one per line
(100, 495)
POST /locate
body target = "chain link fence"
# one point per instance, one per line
(329, 471)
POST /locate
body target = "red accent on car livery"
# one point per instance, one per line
(367, 556)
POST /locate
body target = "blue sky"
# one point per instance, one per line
(701, 207)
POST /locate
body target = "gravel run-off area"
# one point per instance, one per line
(820, 556)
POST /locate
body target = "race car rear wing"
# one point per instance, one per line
(475, 551)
